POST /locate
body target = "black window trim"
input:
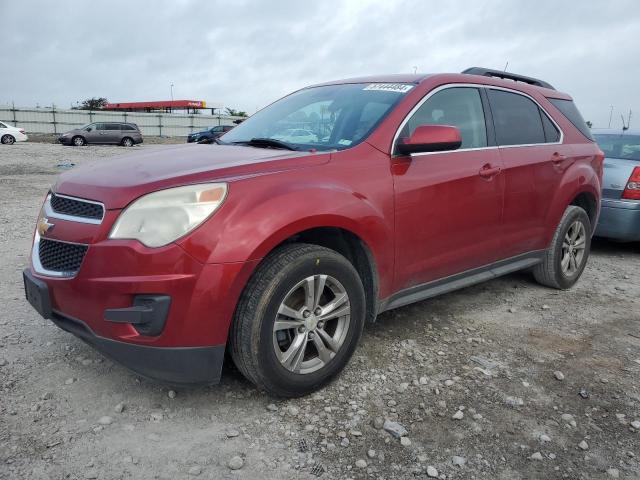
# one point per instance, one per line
(489, 126)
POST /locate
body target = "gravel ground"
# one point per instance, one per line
(504, 380)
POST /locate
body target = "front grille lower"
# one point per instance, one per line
(76, 207)
(60, 256)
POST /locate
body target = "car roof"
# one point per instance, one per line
(419, 78)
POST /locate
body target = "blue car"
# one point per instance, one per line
(620, 215)
(208, 133)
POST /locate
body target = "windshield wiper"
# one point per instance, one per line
(266, 143)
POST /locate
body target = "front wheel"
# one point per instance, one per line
(78, 141)
(567, 256)
(8, 139)
(298, 321)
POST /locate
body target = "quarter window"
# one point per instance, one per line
(516, 119)
(457, 106)
(551, 133)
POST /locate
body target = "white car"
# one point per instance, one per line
(296, 135)
(10, 135)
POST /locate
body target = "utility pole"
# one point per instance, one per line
(610, 115)
(172, 92)
(415, 70)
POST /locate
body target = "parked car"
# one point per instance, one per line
(297, 135)
(208, 134)
(280, 252)
(620, 217)
(114, 133)
(10, 134)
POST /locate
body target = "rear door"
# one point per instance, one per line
(448, 204)
(113, 133)
(534, 159)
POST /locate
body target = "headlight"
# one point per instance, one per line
(159, 218)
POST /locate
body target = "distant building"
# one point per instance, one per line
(189, 106)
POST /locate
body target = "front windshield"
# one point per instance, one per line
(331, 117)
(619, 145)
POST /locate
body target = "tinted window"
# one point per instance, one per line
(516, 119)
(551, 132)
(99, 126)
(460, 107)
(569, 110)
(112, 126)
(126, 127)
(216, 129)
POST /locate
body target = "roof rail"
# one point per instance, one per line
(487, 72)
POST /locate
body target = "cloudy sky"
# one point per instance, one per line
(244, 54)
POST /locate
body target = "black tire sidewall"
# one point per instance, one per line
(563, 280)
(6, 139)
(73, 141)
(124, 142)
(283, 379)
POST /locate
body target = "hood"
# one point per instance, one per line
(117, 181)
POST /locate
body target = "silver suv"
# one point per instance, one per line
(125, 134)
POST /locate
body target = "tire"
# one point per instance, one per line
(282, 279)
(127, 142)
(572, 236)
(8, 139)
(78, 141)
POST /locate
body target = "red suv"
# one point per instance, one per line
(278, 248)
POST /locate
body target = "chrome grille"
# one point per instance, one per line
(76, 207)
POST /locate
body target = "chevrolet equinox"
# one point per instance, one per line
(278, 250)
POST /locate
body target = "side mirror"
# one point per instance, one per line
(430, 138)
(89, 129)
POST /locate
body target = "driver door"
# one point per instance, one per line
(94, 135)
(448, 204)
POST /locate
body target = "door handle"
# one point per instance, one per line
(558, 158)
(487, 171)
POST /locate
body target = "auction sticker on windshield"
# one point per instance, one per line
(389, 87)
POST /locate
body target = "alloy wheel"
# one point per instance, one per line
(573, 248)
(312, 324)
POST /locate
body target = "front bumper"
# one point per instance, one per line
(189, 345)
(619, 220)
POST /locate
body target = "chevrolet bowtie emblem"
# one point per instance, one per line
(44, 226)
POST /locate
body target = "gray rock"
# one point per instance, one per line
(232, 433)
(91, 474)
(195, 470)
(459, 415)
(405, 442)
(432, 471)
(613, 472)
(361, 463)
(272, 407)
(559, 375)
(293, 410)
(371, 453)
(236, 463)
(106, 420)
(119, 408)
(172, 394)
(394, 428)
(536, 456)
(636, 424)
(514, 401)
(544, 438)
(3, 362)
(583, 445)
(458, 461)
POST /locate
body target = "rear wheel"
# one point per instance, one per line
(298, 321)
(567, 256)
(8, 139)
(127, 142)
(78, 141)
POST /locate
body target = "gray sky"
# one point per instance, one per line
(245, 54)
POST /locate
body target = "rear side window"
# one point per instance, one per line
(457, 106)
(516, 119)
(112, 126)
(569, 110)
(551, 132)
(126, 127)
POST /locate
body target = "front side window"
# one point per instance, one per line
(458, 107)
(516, 119)
(330, 117)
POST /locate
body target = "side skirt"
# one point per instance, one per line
(460, 280)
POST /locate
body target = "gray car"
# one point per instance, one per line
(113, 133)
(620, 215)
